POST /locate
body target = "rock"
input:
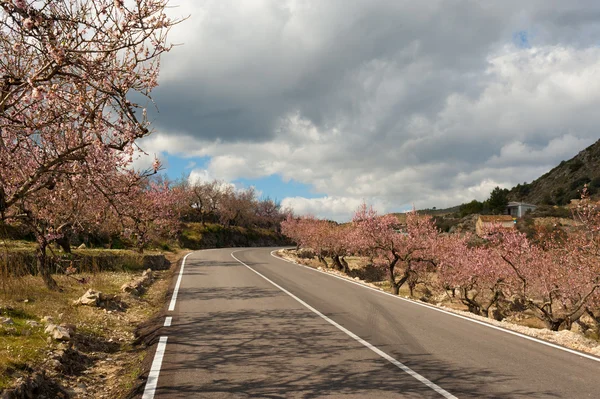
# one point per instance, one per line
(58, 333)
(90, 298)
(7, 321)
(47, 320)
(71, 328)
(82, 388)
(49, 328)
(63, 346)
(32, 323)
(26, 301)
(138, 285)
(148, 274)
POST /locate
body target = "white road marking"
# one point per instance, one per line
(539, 341)
(152, 381)
(176, 290)
(168, 321)
(378, 351)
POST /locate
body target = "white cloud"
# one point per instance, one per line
(395, 102)
(339, 209)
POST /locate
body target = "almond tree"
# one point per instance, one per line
(153, 210)
(237, 207)
(339, 242)
(557, 280)
(476, 273)
(380, 238)
(68, 72)
(587, 213)
(309, 232)
(204, 199)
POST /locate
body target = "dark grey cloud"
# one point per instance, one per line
(391, 100)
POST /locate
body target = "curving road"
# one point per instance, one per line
(251, 325)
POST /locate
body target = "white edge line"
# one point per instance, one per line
(152, 381)
(539, 341)
(176, 290)
(373, 348)
(168, 321)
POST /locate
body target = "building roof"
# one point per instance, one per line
(510, 204)
(496, 218)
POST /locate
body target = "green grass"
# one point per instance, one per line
(21, 346)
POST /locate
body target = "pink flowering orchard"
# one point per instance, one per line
(67, 73)
(554, 277)
(404, 254)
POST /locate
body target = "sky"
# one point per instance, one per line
(322, 105)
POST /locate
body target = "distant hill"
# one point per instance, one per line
(557, 187)
(439, 212)
(564, 182)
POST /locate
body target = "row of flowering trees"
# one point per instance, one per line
(68, 126)
(219, 202)
(556, 276)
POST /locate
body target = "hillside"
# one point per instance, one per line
(564, 182)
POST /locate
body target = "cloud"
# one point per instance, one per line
(332, 208)
(432, 103)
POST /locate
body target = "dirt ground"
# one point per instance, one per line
(101, 358)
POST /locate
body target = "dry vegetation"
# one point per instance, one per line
(100, 360)
(362, 271)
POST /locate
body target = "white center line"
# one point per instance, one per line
(152, 381)
(168, 321)
(381, 353)
(176, 290)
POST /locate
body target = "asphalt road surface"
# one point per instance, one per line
(305, 334)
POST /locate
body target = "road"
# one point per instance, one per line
(236, 334)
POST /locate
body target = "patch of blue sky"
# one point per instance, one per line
(276, 188)
(176, 167)
(522, 39)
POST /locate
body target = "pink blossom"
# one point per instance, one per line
(28, 23)
(156, 164)
(22, 4)
(36, 94)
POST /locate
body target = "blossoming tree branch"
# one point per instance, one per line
(68, 125)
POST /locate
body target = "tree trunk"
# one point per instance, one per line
(323, 261)
(595, 320)
(346, 268)
(336, 262)
(42, 267)
(553, 325)
(395, 288)
(64, 244)
(411, 289)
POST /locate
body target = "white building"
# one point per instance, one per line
(519, 209)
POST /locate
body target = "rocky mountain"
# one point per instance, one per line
(564, 182)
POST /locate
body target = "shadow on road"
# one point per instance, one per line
(261, 346)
